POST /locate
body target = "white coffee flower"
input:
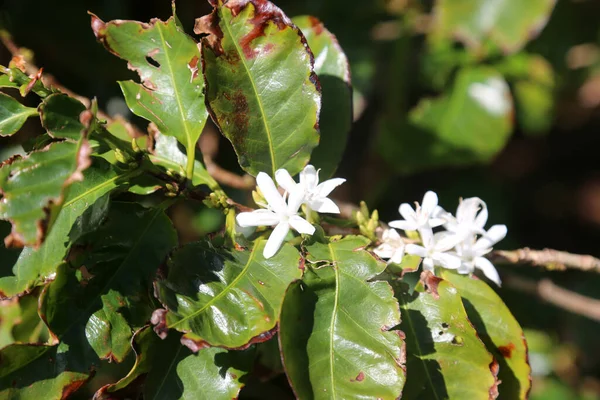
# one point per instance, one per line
(422, 218)
(391, 247)
(435, 250)
(473, 250)
(471, 217)
(315, 193)
(277, 213)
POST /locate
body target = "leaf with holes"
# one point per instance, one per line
(260, 86)
(35, 267)
(225, 298)
(333, 70)
(506, 24)
(13, 115)
(499, 330)
(60, 116)
(335, 329)
(470, 124)
(167, 61)
(33, 189)
(443, 349)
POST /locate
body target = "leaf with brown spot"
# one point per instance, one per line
(171, 92)
(260, 86)
(215, 298)
(443, 348)
(499, 330)
(335, 333)
(13, 115)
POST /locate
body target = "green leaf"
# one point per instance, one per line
(13, 115)
(10, 316)
(60, 116)
(470, 124)
(33, 189)
(507, 24)
(166, 59)
(35, 267)
(445, 357)
(14, 78)
(333, 70)
(499, 330)
(225, 298)
(168, 155)
(335, 329)
(252, 44)
(122, 256)
(20, 322)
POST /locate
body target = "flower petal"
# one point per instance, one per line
(447, 260)
(301, 225)
(383, 251)
(408, 213)
(428, 264)
(495, 234)
(327, 187)
(285, 180)
(397, 256)
(488, 270)
(276, 239)
(430, 201)
(324, 205)
(257, 218)
(415, 250)
(270, 192)
(297, 196)
(309, 177)
(404, 225)
(482, 217)
(444, 241)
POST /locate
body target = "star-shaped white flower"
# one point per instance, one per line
(472, 252)
(471, 217)
(277, 213)
(422, 218)
(392, 246)
(435, 250)
(315, 193)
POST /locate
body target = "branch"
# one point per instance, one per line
(551, 293)
(547, 258)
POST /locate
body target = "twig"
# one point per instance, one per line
(49, 80)
(548, 258)
(551, 293)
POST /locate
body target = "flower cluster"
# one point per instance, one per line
(462, 244)
(281, 211)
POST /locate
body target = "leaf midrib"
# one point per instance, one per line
(333, 317)
(258, 100)
(222, 293)
(27, 112)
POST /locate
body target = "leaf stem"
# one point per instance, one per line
(191, 157)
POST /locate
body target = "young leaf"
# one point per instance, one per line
(500, 332)
(35, 267)
(261, 89)
(445, 357)
(33, 189)
(222, 298)
(469, 125)
(13, 77)
(167, 154)
(334, 331)
(121, 257)
(166, 59)
(508, 24)
(60, 116)
(13, 115)
(333, 70)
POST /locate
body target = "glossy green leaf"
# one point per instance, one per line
(33, 189)
(445, 357)
(335, 329)
(13, 115)
(10, 316)
(333, 70)
(500, 332)
(167, 154)
(35, 267)
(20, 322)
(60, 116)
(121, 256)
(225, 298)
(506, 24)
(167, 61)
(252, 44)
(470, 124)
(12, 77)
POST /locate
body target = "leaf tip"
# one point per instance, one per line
(159, 321)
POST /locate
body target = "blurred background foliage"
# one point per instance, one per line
(499, 100)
